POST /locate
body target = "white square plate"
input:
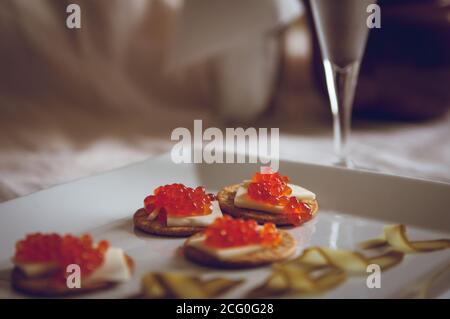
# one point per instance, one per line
(354, 205)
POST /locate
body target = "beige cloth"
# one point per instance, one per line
(77, 103)
(65, 94)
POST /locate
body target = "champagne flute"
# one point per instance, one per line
(342, 30)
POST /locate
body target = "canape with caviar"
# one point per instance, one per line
(177, 210)
(239, 243)
(269, 197)
(44, 264)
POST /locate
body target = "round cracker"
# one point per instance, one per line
(258, 258)
(226, 202)
(46, 287)
(154, 227)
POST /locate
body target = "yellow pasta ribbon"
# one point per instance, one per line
(395, 237)
(182, 286)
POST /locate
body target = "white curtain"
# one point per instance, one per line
(120, 48)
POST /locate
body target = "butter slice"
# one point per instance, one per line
(114, 267)
(196, 221)
(243, 200)
(33, 270)
(224, 253)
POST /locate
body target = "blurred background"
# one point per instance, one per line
(74, 102)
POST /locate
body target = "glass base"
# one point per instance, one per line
(347, 163)
(344, 162)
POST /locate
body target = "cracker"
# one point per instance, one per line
(226, 202)
(258, 258)
(46, 287)
(154, 227)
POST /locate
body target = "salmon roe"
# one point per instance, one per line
(177, 200)
(81, 251)
(38, 248)
(62, 251)
(272, 188)
(226, 232)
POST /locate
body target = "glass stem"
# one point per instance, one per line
(341, 84)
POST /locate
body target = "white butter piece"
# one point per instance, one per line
(196, 221)
(33, 270)
(114, 267)
(224, 253)
(244, 201)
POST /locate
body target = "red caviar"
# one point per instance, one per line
(81, 251)
(178, 200)
(62, 251)
(38, 248)
(270, 187)
(273, 188)
(226, 232)
(298, 212)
